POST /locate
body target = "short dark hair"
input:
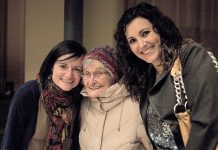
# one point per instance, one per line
(62, 48)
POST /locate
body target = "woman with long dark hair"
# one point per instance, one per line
(43, 111)
(148, 44)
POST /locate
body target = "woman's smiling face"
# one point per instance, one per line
(96, 78)
(143, 40)
(66, 73)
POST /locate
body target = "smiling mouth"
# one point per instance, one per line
(67, 81)
(98, 86)
(147, 51)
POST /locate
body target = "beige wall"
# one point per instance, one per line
(35, 26)
(99, 22)
(15, 41)
(44, 28)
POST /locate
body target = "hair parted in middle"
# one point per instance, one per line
(135, 70)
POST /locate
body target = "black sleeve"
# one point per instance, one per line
(20, 126)
(201, 83)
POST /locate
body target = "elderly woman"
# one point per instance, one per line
(110, 118)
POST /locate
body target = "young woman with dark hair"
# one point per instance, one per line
(148, 44)
(43, 111)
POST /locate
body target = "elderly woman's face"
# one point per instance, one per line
(67, 73)
(96, 78)
(143, 40)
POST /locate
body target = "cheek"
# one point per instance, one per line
(85, 83)
(77, 77)
(156, 39)
(133, 48)
(107, 82)
(106, 86)
(55, 75)
(57, 72)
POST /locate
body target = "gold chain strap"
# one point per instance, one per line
(179, 87)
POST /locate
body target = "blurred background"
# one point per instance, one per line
(30, 28)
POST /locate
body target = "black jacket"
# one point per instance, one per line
(201, 83)
(22, 117)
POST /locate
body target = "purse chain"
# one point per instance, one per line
(214, 60)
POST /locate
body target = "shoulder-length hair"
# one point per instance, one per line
(62, 48)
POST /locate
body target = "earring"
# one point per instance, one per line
(49, 77)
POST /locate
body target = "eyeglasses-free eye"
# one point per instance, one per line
(97, 74)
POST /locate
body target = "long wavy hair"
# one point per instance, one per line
(138, 74)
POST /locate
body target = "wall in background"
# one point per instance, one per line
(34, 27)
(99, 21)
(44, 28)
(15, 41)
(196, 19)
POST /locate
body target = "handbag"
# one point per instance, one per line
(181, 110)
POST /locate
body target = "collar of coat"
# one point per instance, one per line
(110, 98)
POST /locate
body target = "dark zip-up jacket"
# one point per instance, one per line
(22, 117)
